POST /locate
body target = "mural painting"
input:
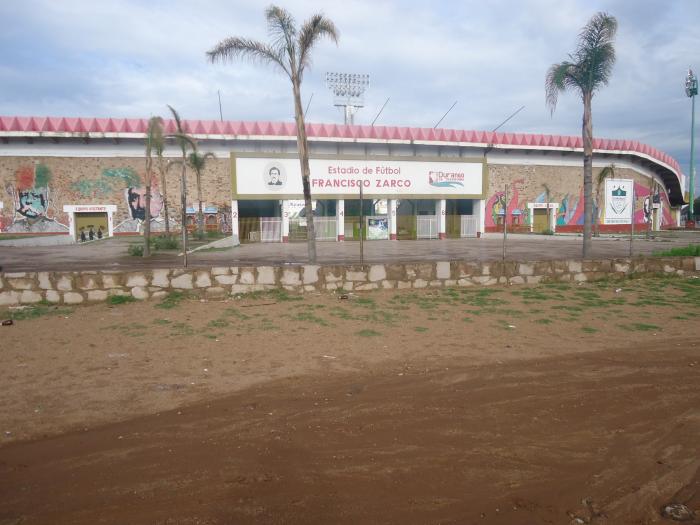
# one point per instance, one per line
(643, 205)
(129, 183)
(516, 211)
(33, 208)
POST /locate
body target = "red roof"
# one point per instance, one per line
(202, 128)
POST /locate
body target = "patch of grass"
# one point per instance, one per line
(38, 310)
(692, 250)
(543, 321)
(171, 300)
(218, 323)
(368, 333)
(120, 299)
(365, 301)
(161, 321)
(420, 328)
(588, 329)
(180, 329)
(235, 312)
(641, 327)
(309, 318)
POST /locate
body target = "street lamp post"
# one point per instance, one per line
(691, 89)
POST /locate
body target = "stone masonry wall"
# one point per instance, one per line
(221, 282)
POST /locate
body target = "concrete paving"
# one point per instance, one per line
(112, 253)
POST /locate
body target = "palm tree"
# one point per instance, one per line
(154, 135)
(607, 171)
(198, 161)
(184, 141)
(290, 50)
(159, 147)
(590, 68)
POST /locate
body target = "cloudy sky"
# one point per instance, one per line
(127, 58)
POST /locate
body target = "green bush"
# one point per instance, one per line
(136, 250)
(213, 234)
(548, 232)
(164, 242)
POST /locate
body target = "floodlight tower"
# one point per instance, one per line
(691, 89)
(349, 89)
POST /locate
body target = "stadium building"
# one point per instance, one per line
(84, 177)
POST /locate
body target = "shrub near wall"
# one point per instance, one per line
(221, 282)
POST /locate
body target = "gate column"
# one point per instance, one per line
(391, 210)
(340, 219)
(234, 223)
(285, 221)
(441, 218)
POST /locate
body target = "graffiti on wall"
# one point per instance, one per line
(33, 209)
(515, 210)
(126, 181)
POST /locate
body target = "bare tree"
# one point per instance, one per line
(290, 50)
(590, 68)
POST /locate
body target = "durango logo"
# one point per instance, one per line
(446, 179)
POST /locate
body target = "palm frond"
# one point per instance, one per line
(591, 64)
(154, 136)
(173, 162)
(254, 50)
(197, 161)
(183, 140)
(313, 29)
(607, 171)
(560, 77)
(282, 27)
(595, 52)
(176, 117)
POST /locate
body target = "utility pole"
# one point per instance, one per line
(691, 89)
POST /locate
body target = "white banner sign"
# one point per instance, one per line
(618, 201)
(260, 176)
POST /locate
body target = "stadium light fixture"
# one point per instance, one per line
(349, 90)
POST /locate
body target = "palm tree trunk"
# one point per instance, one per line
(305, 169)
(165, 197)
(200, 214)
(147, 212)
(587, 132)
(183, 204)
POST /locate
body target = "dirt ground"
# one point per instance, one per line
(518, 405)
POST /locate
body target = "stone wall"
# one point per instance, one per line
(221, 282)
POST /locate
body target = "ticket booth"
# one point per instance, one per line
(90, 222)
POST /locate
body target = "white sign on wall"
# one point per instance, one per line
(264, 176)
(619, 195)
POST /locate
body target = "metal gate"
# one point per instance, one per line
(426, 227)
(326, 228)
(468, 226)
(270, 229)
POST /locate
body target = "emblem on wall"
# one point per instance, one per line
(275, 176)
(618, 200)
